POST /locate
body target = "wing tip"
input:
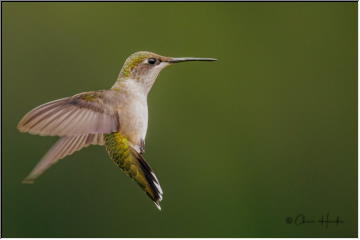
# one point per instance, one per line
(28, 181)
(20, 126)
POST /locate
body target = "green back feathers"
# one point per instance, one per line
(89, 97)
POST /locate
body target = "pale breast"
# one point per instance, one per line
(134, 120)
(131, 102)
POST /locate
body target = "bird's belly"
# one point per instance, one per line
(134, 122)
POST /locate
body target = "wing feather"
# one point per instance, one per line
(81, 114)
(63, 147)
(38, 111)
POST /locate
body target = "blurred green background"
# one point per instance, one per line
(240, 145)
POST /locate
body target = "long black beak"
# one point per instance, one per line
(188, 59)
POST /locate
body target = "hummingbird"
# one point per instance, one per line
(116, 118)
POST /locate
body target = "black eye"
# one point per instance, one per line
(151, 60)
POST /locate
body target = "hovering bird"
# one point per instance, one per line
(116, 118)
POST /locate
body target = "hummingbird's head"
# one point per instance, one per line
(144, 66)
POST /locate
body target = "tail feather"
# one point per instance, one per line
(151, 178)
(134, 165)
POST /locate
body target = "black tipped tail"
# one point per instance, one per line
(134, 165)
(153, 189)
(158, 205)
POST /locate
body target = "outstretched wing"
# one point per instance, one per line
(84, 113)
(63, 147)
